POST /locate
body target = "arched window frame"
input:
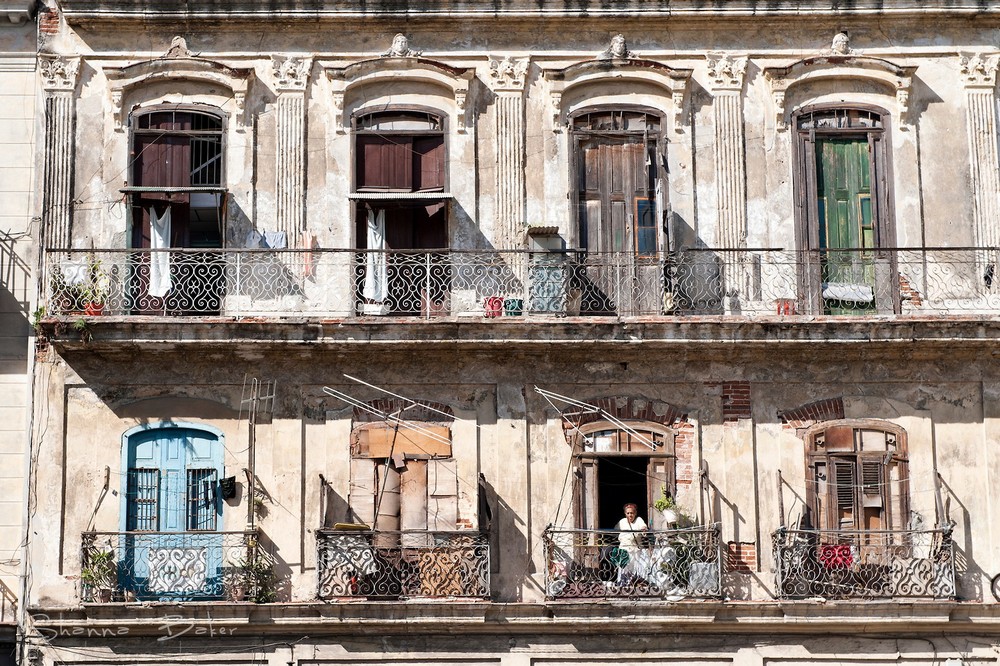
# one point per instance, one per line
(647, 240)
(660, 471)
(827, 497)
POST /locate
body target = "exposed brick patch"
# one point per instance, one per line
(908, 293)
(48, 22)
(735, 401)
(422, 411)
(741, 556)
(628, 409)
(813, 412)
(631, 409)
(684, 452)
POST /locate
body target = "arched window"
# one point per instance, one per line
(400, 182)
(172, 513)
(177, 166)
(618, 156)
(857, 476)
(845, 206)
(620, 465)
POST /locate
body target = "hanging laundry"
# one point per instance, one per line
(159, 262)
(375, 261)
(276, 240)
(255, 240)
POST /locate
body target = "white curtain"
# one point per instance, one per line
(159, 262)
(375, 264)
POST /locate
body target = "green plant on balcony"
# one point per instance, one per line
(99, 574)
(80, 287)
(252, 578)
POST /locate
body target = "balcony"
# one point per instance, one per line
(865, 565)
(524, 285)
(669, 564)
(405, 564)
(8, 605)
(174, 566)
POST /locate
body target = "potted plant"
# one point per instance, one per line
(252, 578)
(81, 287)
(100, 574)
(667, 507)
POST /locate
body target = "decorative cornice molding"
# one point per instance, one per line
(176, 64)
(979, 70)
(726, 72)
(598, 72)
(508, 73)
(291, 74)
(399, 72)
(58, 73)
(894, 79)
(400, 48)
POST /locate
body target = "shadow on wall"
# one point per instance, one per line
(15, 290)
(968, 574)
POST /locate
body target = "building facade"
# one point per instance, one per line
(18, 257)
(365, 323)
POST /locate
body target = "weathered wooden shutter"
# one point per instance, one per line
(587, 497)
(428, 152)
(844, 482)
(361, 495)
(442, 494)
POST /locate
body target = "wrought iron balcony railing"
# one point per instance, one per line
(348, 283)
(175, 566)
(667, 564)
(403, 564)
(865, 565)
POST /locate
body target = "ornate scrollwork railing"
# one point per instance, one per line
(671, 564)
(445, 283)
(859, 565)
(162, 566)
(404, 564)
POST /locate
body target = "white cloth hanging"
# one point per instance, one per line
(275, 240)
(159, 262)
(375, 286)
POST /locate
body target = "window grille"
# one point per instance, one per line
(142, 495)
(201, 492)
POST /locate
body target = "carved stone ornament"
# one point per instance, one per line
(727, 72)
(617, 49)
(508, 73)
(841, 44)
(291, 73)
(400, 48)
(460, 96)
(979, 70)
(178, 48)
(58, 73)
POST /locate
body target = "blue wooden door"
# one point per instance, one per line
(172, 547)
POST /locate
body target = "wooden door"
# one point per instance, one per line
(846, 224)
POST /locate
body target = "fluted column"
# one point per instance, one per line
(58, 81)
(291, 76)
(726, 83)
(979, 75)
(726, 79)
(507, 81)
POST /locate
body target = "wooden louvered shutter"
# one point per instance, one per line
(843, 487)
(872, 493)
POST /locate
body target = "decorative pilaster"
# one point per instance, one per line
(290, 78)
(507, 81)
(979, 75)
(726, 82)
(59, 77)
